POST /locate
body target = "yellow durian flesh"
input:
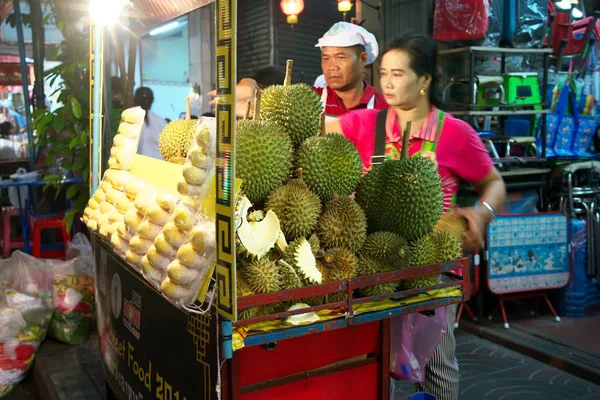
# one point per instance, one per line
(157, 214)
(139, 244)
(306, 263)
(124, 157)
(112, 162)
(116, 217)
(188, 189)
(105, 186)
(181, 274)
(133, 186)
(188, 256)
(199, 158)
(194, 175)
(93, 203)
(166, 200)
(133, 115)
(202, 236)
(157, 260)
(203, 138)
(148, 230)
(133, 219)
(106, 207)
(173, 235)
(118, 178)
(107, 230)
(119, 243)
(121, 140)
(163, 247)
(145, 199)
(258, 238)
(113, 195)
(92, 224)
(174, 291)
(152, 273)
(128, 132)
(101, 218)
(133, 258)
(182, 218)
(99, 195)
(124, 204)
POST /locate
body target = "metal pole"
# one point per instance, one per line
(24, 80)
(97, 108)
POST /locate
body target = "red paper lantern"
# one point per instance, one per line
(292, 8)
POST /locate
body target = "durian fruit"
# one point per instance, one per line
(176, 138)
(289, 277)
(447, 245)
(263, 276)
(300, 256)
(423, 252)
(256, 239)
(243, 290)
(181, 274)
(204, 139)
(338, 264)
(452, 223)
(264, 158)
(411, 198)
(342, 224)
(368, 266)
(315, 245)
(387, 247)
(331, 164)
(296, 108)
(297, 208)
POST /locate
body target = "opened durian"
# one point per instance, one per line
(296, 108)
(300, 256)
(258, 238)
(289, 277)
(297, 207)
(342, 224)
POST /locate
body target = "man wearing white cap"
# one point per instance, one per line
(345, 51)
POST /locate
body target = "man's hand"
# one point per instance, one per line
(476, 224)
(244, 93)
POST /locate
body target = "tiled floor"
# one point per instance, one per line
(489, 371)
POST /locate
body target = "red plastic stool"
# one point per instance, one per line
(8, 241)
(55, 222)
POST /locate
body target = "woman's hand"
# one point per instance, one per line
(476, 224)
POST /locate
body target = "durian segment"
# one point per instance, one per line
(174, 291)
(187, 189)
(167, 201)
(183, 218)
(199, 158)
(263, 276)
(105, 186)
(258, 238)
(194, 175)
(92, 224)
(112, 162)
(448, 246)
(116, 217)
(139, 244)
(101, 218)
(423, 252)
(123, 232)
(124, 204)
(204, 138)
(128, 131)
(173, 235)
(99, 195)
(148, 230)
(163, 247)
(306, 263)
(117, 178)
(107, 208)
(119, 243)
(133, 219)
(133, 258)
(87, 212)
(133, 115)
(158, 215)
(191, 258)
(154, 274)
(93, 203)
(107, 230)
(121, 140)
(133, 186)
(145, 199)
(181, 274)
(202, 236)
(158, 261)
(124, 157)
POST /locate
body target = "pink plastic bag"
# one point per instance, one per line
(413, 340)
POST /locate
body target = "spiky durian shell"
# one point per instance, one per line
(367, 197)
(297, 207)
(419, 282)
(296, 108)
(452, 223)
(411, 199)
(289, 277)
(315, 245)
(447, 245)
(423, 252)
(262, 276)
(342, 224)
(330, 164)
(339, 264)
(264, 158)
(243, 289)
(367, 266)
(177, 134)
(388, 248)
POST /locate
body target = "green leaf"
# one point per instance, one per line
(58, 124)
(68, 219)
(72, 191)
(51, 178)
(76, 107)
(74, 142)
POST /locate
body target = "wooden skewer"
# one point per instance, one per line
(288, 73)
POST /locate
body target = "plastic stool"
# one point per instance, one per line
(54, 222)
(8, 241)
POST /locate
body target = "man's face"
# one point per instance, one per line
(342, 67)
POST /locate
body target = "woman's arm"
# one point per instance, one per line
(334, 127)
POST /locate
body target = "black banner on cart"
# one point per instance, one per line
(150, 348)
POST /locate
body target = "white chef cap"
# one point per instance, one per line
(345, 34)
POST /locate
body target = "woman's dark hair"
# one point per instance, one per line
(422, 51)
(144, 97)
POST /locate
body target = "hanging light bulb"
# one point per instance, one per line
(292, 8)
(344, 6)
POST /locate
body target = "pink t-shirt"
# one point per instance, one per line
(460, 153)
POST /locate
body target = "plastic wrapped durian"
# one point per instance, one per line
(106, 207)
(106, 230)
(133, 186)
(180, 274)
(105, 186)
(163, 247)
(173, 235)
(126, 141)
(120, 245)
(145, 199)
(139, 245)
(133, 258)
(99, 195)
(93, 203)
(148, 229)
(116, 217)
(157, 214)
(113, 195)
(123, 204)
(133, 219)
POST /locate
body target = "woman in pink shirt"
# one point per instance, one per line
(409, 81)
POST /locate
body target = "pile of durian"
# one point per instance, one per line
(308, 216)
(163, 235)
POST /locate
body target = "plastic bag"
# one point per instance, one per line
(413, 340)
(460, 20)
(525, 22)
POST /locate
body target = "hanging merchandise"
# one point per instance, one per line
(466, 20)
(524, 23)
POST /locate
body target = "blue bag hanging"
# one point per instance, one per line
(586, 129)
(554, 122)
(567, 123)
